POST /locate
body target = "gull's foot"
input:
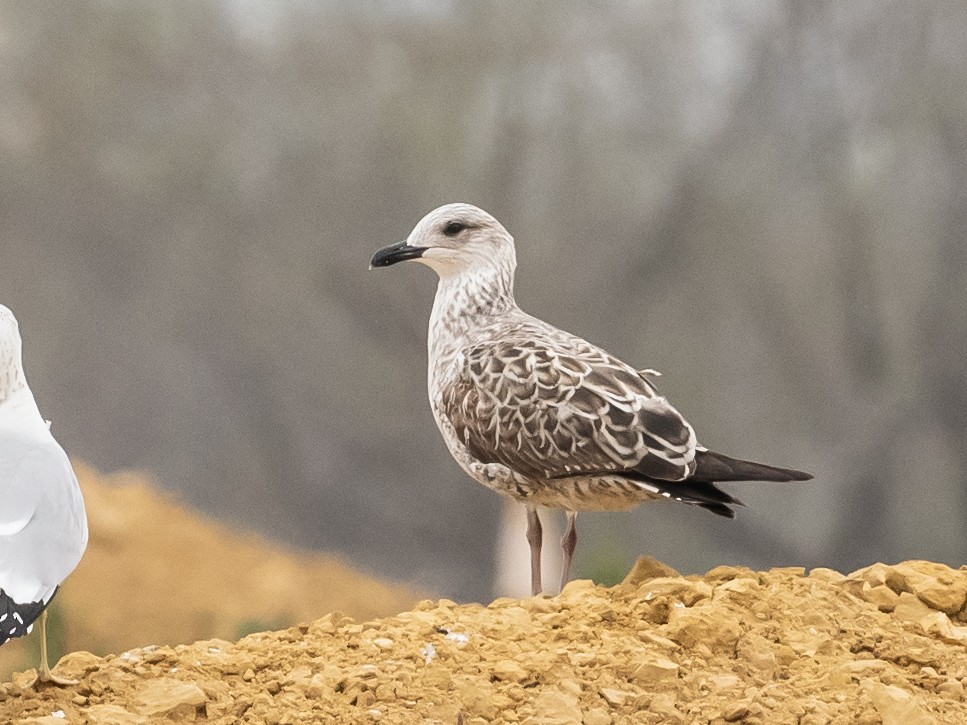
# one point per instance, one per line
(49, 678)
(32, 679)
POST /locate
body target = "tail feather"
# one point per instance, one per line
(711, 466)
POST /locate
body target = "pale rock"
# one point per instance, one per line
(615, 698)
(736, 712)
(939, 623)
(895, 705)
(723, 682)
(579, 586)
(875, 574)
(880, 595)
(742, 590)
(653, 670)
(477, 700)
(827, 575)
(791, 571)
(77, 664)
(646, 568)
(936, 585)
(317, 686)
(864, 667)
(760, 658)
(909, 608)
(691, 627)
(169, 697)
(676, 589)
(663, 704)
(597, 716)
(329, 623)
(508, 671)
(724, 573)
(300, 677)
(553, 707)
(570, 687)
(112, 715)
(951, 689)
(648, 636)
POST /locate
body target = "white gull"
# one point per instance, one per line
(43, 525)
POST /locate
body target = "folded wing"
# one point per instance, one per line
(556, 412)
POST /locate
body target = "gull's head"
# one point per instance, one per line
(453, 240)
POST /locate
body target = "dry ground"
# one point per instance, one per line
(883, 645)
(157, 571)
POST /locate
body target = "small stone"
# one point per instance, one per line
(171, 698)
(663, 704)
(615, 698)
(909, 608)
(895, 705)
(826, 575)
(881, 595)
(508, 671)
(248, 675)
(864, 667)
(936, 585)
(597, 716)
(553, 707)
(646, 568)
(791, 571)
(365, 699)
(951, 689)
(723, 573)
(299, 677)
(663, 642)
(655, 670)
(674, 589)
(875, 574)
(113, 715)
(383, 643)
(939, 623)
(723, 682)
(274, 687)
(736, 713)
(690, 628)
(317, 686)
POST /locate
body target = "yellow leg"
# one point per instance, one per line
(45, 675)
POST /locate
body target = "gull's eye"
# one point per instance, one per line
(453, 228)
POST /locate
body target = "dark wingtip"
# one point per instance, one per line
(720, 509)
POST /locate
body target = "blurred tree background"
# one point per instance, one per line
(766, 201)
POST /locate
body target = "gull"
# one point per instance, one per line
(538, 414)
(43, 525)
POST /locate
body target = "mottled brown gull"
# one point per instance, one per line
(540, 415)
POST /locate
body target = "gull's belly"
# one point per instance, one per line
(577, 493)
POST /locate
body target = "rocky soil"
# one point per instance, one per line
(157, 571)
(885, 644)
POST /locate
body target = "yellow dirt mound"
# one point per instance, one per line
(157, 572)
(883, 645)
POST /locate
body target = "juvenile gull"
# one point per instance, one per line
(43, 526)
(538, 414)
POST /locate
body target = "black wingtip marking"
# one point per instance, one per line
(712, 466)
(15, 619)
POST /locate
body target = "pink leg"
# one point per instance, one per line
(535, 535)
